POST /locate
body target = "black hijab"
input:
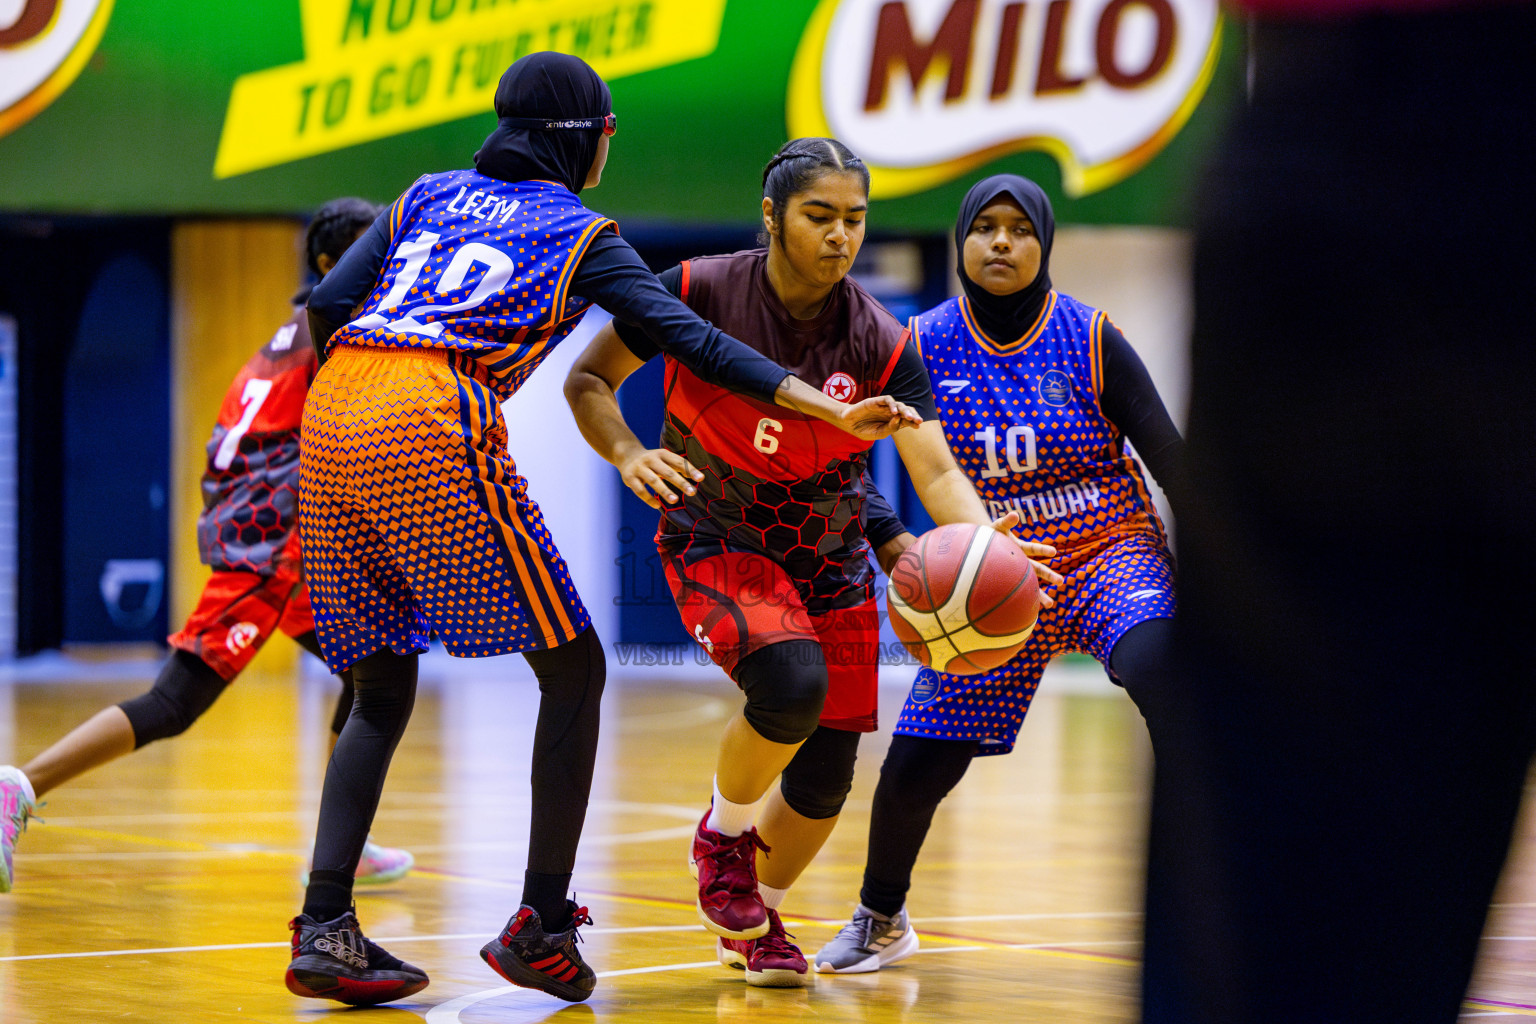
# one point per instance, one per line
(1005, 318)
(545, 84)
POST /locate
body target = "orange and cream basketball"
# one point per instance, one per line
(963, 599)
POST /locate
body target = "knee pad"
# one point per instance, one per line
(1140, 661)
(786, 688)
(186, 688)
(817, 779)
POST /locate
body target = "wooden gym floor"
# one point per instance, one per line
(159, 887)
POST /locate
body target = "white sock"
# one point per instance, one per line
(730, 819)
(771, 897)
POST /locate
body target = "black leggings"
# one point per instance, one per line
(384, 685)
(187, 687)
(571, 679)
(311, 643)
(919, 773)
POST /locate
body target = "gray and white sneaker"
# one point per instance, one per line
(867, 943)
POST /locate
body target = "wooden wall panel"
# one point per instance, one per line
(231, 282)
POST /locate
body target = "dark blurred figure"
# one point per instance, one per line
(1344, 765)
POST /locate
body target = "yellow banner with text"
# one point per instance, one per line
(376, 68)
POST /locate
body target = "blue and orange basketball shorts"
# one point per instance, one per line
(1111, 584)
(739, 602)
(415, 519)
(237, 612)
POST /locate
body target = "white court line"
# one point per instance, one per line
(1030, 917)
(448, 1013)
(393, 940)
(649, 836)
(436, 808)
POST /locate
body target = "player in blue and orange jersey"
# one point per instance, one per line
(762, 530)
(246, 535)
(416, 520)
(1038, 394)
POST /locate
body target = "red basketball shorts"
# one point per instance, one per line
(236, 614)
(737, 603)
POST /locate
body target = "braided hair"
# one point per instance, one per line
(335, 226)
(798, 165)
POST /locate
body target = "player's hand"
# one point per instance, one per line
(656, 475)
(878, 417)
(1032, 550)
(887, 553)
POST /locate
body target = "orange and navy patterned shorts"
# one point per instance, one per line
(237, 612)
(1109, 585)
(740, 602)
(414, 517)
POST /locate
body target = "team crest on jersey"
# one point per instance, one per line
(1054, 388)
(241, 635)
(840, 386)
(925, 689)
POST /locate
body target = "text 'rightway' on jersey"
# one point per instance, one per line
(1023, 420)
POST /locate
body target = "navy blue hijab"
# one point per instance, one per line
(1005, 318)
(552, 85)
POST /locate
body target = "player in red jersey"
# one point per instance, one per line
(762, 530)
(416, 520)
(246, 534)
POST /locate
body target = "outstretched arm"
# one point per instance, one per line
(613, 275)
(591, 388)
(947, 494)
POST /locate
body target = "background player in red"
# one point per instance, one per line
(762, 529)
(1038, 395)
(416, 520)
(246, 534)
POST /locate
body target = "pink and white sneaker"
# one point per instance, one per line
(379, 865)
(17, 804)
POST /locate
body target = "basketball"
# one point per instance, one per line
(963, 599)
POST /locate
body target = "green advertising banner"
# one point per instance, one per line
(185, 107)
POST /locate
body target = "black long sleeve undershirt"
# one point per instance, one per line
(1129, 401)
(610, 274)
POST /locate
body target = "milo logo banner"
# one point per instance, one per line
(273, 106)
(928, 90)
(44, 44)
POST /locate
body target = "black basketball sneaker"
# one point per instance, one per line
(334, 960)
(526, 955)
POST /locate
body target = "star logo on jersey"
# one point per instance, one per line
(241, 635)
(840, 386)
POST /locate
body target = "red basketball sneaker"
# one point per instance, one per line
(726, 867)
(771, 961)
